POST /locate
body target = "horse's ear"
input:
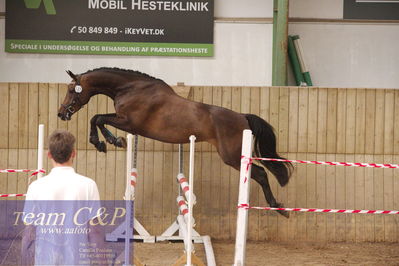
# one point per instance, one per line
(73, 76)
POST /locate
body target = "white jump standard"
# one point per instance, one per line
(169, 234)
(130, 192)
(243, 198)
(184, 223)
(126, 229)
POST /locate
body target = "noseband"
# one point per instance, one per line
(69, 107)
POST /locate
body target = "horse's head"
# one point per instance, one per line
(77, 96)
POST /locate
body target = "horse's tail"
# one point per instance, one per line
(265, 146)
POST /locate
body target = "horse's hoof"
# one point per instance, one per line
(102, 147)
(111, 140)
(94, 140)
(283, 213)
(121, 142)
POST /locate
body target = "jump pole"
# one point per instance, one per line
(40, 153)
(40, 150)
(243, 198)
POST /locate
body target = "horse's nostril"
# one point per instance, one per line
(59, 115)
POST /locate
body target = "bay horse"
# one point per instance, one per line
(147, 106)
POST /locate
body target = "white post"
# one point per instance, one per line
(128, 198)
(190, 200)
(210, 256)
(243, 198)
(128, 190)
(183, 230)
(40, 148)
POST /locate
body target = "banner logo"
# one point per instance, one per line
(159, 27)
(35, 4)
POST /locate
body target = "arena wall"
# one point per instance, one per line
(329, 124)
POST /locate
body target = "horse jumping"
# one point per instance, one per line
(149, 107)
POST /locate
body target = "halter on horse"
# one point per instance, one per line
(149, 107)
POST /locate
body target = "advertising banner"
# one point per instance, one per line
(62, 233)
(112, 27)
(371, 9)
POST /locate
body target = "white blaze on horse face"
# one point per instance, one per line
(78, 89)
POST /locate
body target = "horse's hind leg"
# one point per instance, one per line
(260, 176)
(232, 157)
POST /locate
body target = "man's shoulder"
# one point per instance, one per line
(85, 183)
(39, 181)
(49, 180)
(85, 178)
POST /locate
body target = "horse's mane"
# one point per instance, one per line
(116, 69)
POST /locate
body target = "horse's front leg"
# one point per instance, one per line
(100, 145)
(113, 120)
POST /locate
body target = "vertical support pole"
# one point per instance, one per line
(280, 34)
(181, 166)
(128, 199)
(128, 190)
(134, 172)
(243, 198)
(136, 142)
(190, 201)
(40, 149)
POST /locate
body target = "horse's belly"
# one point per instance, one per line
(175, 138)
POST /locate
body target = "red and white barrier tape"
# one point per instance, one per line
(372, 165)
(249, 161)
(35, 172)
(12, 195)
(245, 206)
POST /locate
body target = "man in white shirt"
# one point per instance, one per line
(62, 183)
(61, 191)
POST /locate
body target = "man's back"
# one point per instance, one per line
(62, 191)
(63, 183)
